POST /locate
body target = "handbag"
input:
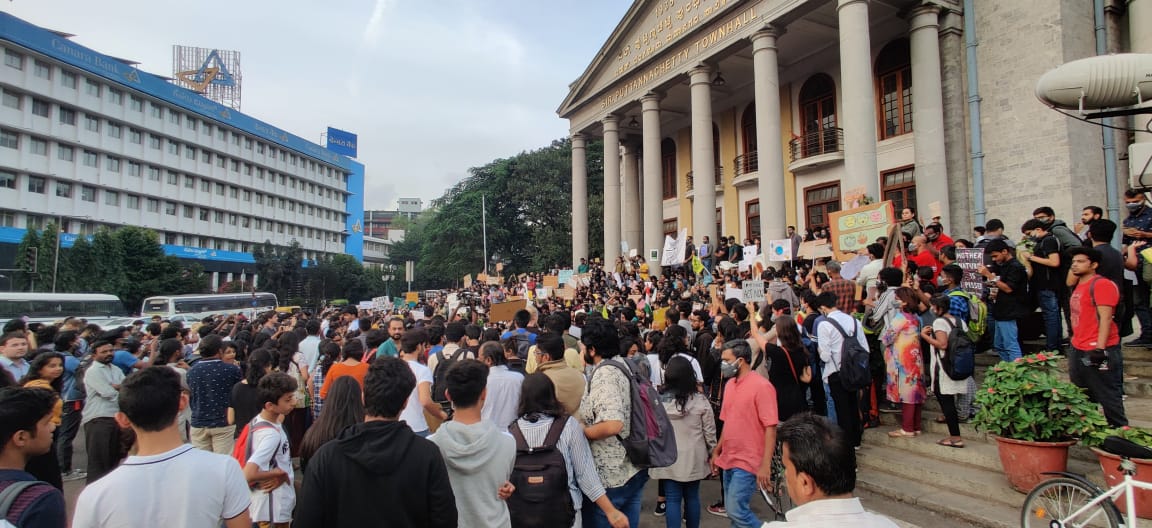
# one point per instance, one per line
(805, 376)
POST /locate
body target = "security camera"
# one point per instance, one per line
(1106, 81)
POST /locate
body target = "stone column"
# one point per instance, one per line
(215, 281)
(579, 200)
(611, 190)
(703, 158)
(653, 181)
(857, 112)
(770, 152)
(631, 198)
(928, 112)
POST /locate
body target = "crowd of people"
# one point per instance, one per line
(435, 415)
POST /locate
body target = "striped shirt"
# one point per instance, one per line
(317, 384)
(582, 474)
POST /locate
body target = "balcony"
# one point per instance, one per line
(719, 178)
(747, 168)
(817, 149)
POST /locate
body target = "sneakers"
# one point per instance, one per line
(75, 474)
(661, 508)
(718, 510)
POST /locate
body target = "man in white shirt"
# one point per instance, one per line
(150, 401)
(412, 344)
(13, 348)
(310, 346)
(820, 470)
(830, 340)
(101, 434)
(503, 397)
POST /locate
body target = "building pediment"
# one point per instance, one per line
(654, 32)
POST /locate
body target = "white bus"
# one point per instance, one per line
(198, 306)
(97, 308)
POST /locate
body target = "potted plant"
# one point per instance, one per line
(1110, 465)
(1035, 415)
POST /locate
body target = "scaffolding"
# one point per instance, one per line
(213, 73)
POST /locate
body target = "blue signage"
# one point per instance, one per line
(40, 40)
(342, 142)
(354, 241)
(218, 255)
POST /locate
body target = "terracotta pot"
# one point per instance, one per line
(1110, 464)
(1025, 462)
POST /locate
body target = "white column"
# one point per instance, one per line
(1140, 29)
(255, 280)
(611, 190)
(703, 158)
(770, 152)
(228, 279)
(215, 281)
(579, 200)
(631, 198)
(653, 181)
(857, 102)
(928, 111)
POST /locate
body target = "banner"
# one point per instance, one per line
(852, 230)
(674, 249)
(969, 260)
(753, 290)
(780, 250)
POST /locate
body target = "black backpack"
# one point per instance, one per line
(853, 364)
(959, 361)
(82, 369)
(439, 383)
(542, 498)
(523, 344)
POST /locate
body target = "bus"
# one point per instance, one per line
(198, 306)
(97, 308)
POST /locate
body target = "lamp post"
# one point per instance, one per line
(60, 231)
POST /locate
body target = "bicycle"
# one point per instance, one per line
(1071, 500)
(778, 499)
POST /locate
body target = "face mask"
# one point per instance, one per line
(728, 369)
(1133, 207)
(932, 237)
(912, 247)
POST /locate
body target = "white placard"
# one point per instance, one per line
(733, 293)
(753, 290)
(674, 249)
(779, 250)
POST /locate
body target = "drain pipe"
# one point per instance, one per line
(976, 152)
(1109, 138)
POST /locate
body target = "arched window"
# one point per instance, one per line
(818, 116)
(747, 161)
(894, 87)
(668, 167)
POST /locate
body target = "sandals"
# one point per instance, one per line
(946, 442)
(900, 433)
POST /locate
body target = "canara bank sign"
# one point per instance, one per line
(679, 57)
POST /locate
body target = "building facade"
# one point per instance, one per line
(87, 140)
(739, 118)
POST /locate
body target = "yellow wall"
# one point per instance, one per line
(790, 207)
(729, 132)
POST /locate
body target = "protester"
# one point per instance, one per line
(268, 468)
(1094, 357)
(346, 408)
(101, 433)
(45, 371)
(211, 381)
(26, 430)
(694, 425)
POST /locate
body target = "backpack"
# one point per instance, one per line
(959, 363)
(242, 450)
(523, 344)
(439, 377)
(13, 491)
(651, 442)
(977, 315)
(82, 369)
(540, 475)
(853, 365)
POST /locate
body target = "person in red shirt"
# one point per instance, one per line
(1094, 361)
(919, 253)
(937, 240)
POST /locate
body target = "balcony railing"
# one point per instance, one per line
(824, 141)
(719, 176)
(747, 162)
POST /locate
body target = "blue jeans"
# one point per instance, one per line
(687, 493)
(739, 487)
(1050, 311)
(1006, 342)
(828, 399)
(625, 498)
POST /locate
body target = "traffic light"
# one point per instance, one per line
(30, 256)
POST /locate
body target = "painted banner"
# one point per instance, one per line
(853, 229)
(780, 250)
(969, 260)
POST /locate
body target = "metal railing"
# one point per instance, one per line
(719, 176)
(824, 141)
(747, 162)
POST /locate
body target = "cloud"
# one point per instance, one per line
(371, 33)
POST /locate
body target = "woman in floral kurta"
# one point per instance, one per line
(905, 363)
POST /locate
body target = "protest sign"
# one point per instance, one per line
(543, 293)
(412, 297)
(551, 281)
(503, 312)
(493, 281)
(468, 280)
(674, 249)
(969, 260)
(853, 229)
(733, 293)
(814, 249)
(564, 276)
(566, 293)
(659, 319)
(753, 290)
(366, 305)
(779, 250)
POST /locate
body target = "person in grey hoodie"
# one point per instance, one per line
(479, 456)
(779, 288)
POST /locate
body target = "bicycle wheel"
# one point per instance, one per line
(778, 499)
(1052, 502)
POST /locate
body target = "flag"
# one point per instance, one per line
(604, 312)
(697, 265)
(706, 278)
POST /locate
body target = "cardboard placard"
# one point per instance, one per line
(969, 260)
(814, 249)
(753, 290)
(566, 293)
(505, 311)
(493, 281)
(551, 281)
(412, 297)
(468, 280)
(482, 278)
(659, 319)
(852, 198)
(853, 229)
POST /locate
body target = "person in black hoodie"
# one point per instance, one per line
(379, 466)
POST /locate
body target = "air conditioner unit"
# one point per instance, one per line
(1140, 166)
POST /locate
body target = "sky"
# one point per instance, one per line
(432, 87)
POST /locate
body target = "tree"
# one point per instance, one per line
(280, 268)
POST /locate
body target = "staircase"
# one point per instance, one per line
(966, 487)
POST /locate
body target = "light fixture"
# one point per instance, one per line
(633, 123)
(719, 80)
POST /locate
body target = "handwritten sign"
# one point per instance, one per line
(412, 297)
(551, 281)
(853, 229)
(506, 310)
(564, 276)
(733, 293)
(780, 250)
(969, 260)
(753, 290)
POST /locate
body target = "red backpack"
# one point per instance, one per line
(242, 451)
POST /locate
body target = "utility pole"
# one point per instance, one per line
(484, 228)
